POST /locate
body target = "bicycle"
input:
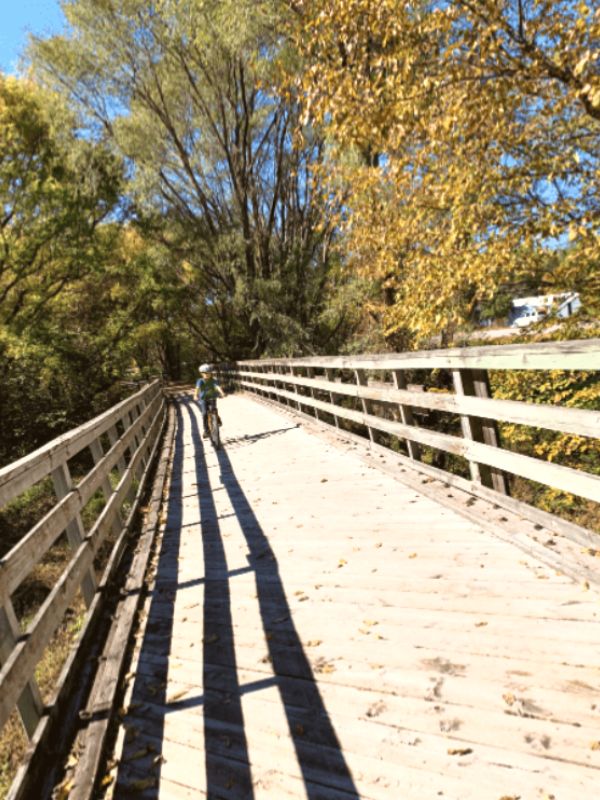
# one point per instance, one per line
(213, 423)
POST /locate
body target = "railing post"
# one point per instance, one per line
(362, 380)
(113, 438)
(107, 490)
(475, 382)
(330, 376)
(406, 415)
(298, 404)
(30, 703)
(63, 484)
(310, 373)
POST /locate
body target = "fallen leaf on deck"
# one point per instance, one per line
(141, 753)
(341, 562)
(143, 783)
(313, 643)
(413, 555)
(107, 780)
(480, 624)
(299, 729)
(459, 751)
(211, 638)
(177, 696)
(595, 746)
(509, 699)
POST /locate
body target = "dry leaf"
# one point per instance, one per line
(177, 696)
(211, 638)
(413, 555)
(313, 642)
(299, 729)
(341, 562)
(459, 751)
(143, 783)
(480, 624)
(595, 746)
(509, 698)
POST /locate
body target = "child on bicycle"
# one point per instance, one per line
(206, 392)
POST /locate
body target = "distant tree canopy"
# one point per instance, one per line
(469, 132)
(185, 93)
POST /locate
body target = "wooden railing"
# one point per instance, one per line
(122, 442)
(316, 385)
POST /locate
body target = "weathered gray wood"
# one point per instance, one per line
(37, 777)
(310, 372)
(402, 623)
(63, 485)
(30, 703)
(17, 564)
(362, 380)
(558, 476)
(406, 415)
(113, 438)
(578, 421)
(15, 478)
(107, 490)
(330, 379)
(19, 667)
(102, 697)
(582, 354)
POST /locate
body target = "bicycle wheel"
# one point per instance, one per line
(213, 426)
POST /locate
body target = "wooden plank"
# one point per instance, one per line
(362, 380)
(42, 768)
(107, 490)
(581, 354)
(63, 485)
(474, 382)
(17, 564)
(406, 415)
(329, 376)
(25, 656)
(15, 478)
(30, 703)
(555, 475)
(578, 421)
(100, 705)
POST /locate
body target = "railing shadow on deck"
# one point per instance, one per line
(228, 771)
(317, 746)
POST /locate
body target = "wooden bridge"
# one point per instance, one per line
(319, 609)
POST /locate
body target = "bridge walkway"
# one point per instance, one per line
(316, 628)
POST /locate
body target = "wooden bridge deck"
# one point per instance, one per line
(318, 629)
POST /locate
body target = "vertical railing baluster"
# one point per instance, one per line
(475, 383)
(362, 380)
(330, 376)
(63, 485)
(30, 704)
(406, 415)
(107, 490)
(311, 374)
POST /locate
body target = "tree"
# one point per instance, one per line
(184, 90)
(55, 190)
(469, 134)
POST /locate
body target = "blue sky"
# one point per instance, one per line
(18, 18)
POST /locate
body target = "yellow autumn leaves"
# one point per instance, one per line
(465, 144)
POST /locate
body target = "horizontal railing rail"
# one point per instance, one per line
(122, 442)
(384, 401)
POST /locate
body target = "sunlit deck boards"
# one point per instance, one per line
(317, 629)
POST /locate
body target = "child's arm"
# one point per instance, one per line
(196, 392)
